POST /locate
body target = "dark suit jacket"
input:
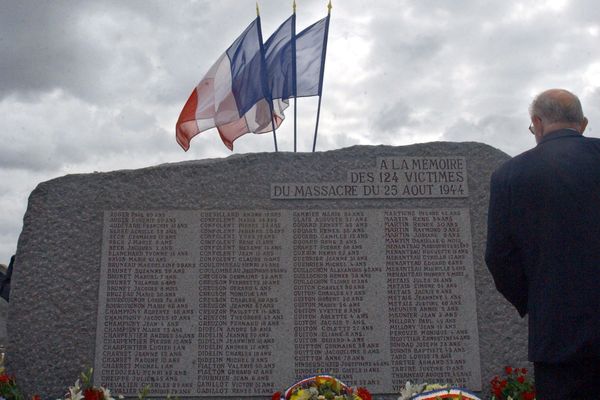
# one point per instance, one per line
(543, 245)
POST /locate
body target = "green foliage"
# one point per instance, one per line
(142, 394)
(86, 378)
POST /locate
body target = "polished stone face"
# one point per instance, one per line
(238, 276)
(391, 178)
(266, 297)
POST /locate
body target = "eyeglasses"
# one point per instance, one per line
(531, 128)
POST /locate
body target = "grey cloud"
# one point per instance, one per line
(584, 11)
(592, 100)
(7, 247)
(591, 108)
(335, 139)
(391, 118)
(16, 186)
(97, 51)
(475, 61)
(505, 133)
(31, 158)
(60, 130)
(40, 48)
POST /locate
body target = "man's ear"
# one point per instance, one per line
(583, 125)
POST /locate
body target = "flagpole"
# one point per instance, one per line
(322, 74)
(294, 85)
(266, 90)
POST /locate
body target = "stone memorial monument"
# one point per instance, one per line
(236, 277)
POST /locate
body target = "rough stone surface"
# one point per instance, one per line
(54, 298)
(3, 314)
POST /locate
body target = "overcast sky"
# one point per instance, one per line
(98, 85)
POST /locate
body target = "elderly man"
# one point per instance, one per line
(543, 246)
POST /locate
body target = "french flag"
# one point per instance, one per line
(234, 95)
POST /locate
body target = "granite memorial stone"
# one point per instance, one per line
(236, 277)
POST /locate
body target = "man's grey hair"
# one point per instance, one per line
(552, 110)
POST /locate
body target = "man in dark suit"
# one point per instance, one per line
(543, 246)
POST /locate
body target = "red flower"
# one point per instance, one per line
(524, 371)
(93, 394)
(529, 396)
(363, 393)
(36, 397)
(5, 378)
(276, 396)
(508, 370)
(521, 379)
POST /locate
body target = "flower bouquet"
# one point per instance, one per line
(86, 391)
(322, 387)
(516, 385)
(8, 387)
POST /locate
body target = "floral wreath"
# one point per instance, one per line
(322, 387)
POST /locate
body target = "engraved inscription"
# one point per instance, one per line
(427, 261)
(334, 329)
(147, 319)
(243, 302)
(393, 177)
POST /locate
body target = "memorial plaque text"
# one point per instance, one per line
(243, 302)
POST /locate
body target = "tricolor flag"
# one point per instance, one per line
(232, 96)
(296, 63)
(248, 87)
(279, 58)
(307, 59)
(311, 47)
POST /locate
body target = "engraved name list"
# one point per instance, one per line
(243, 302)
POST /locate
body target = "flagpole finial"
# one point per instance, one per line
(257, 10)
(329, 7)
(294, 6)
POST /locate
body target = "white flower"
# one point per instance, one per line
(410, 390)
(106, 394)
(75, 391)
